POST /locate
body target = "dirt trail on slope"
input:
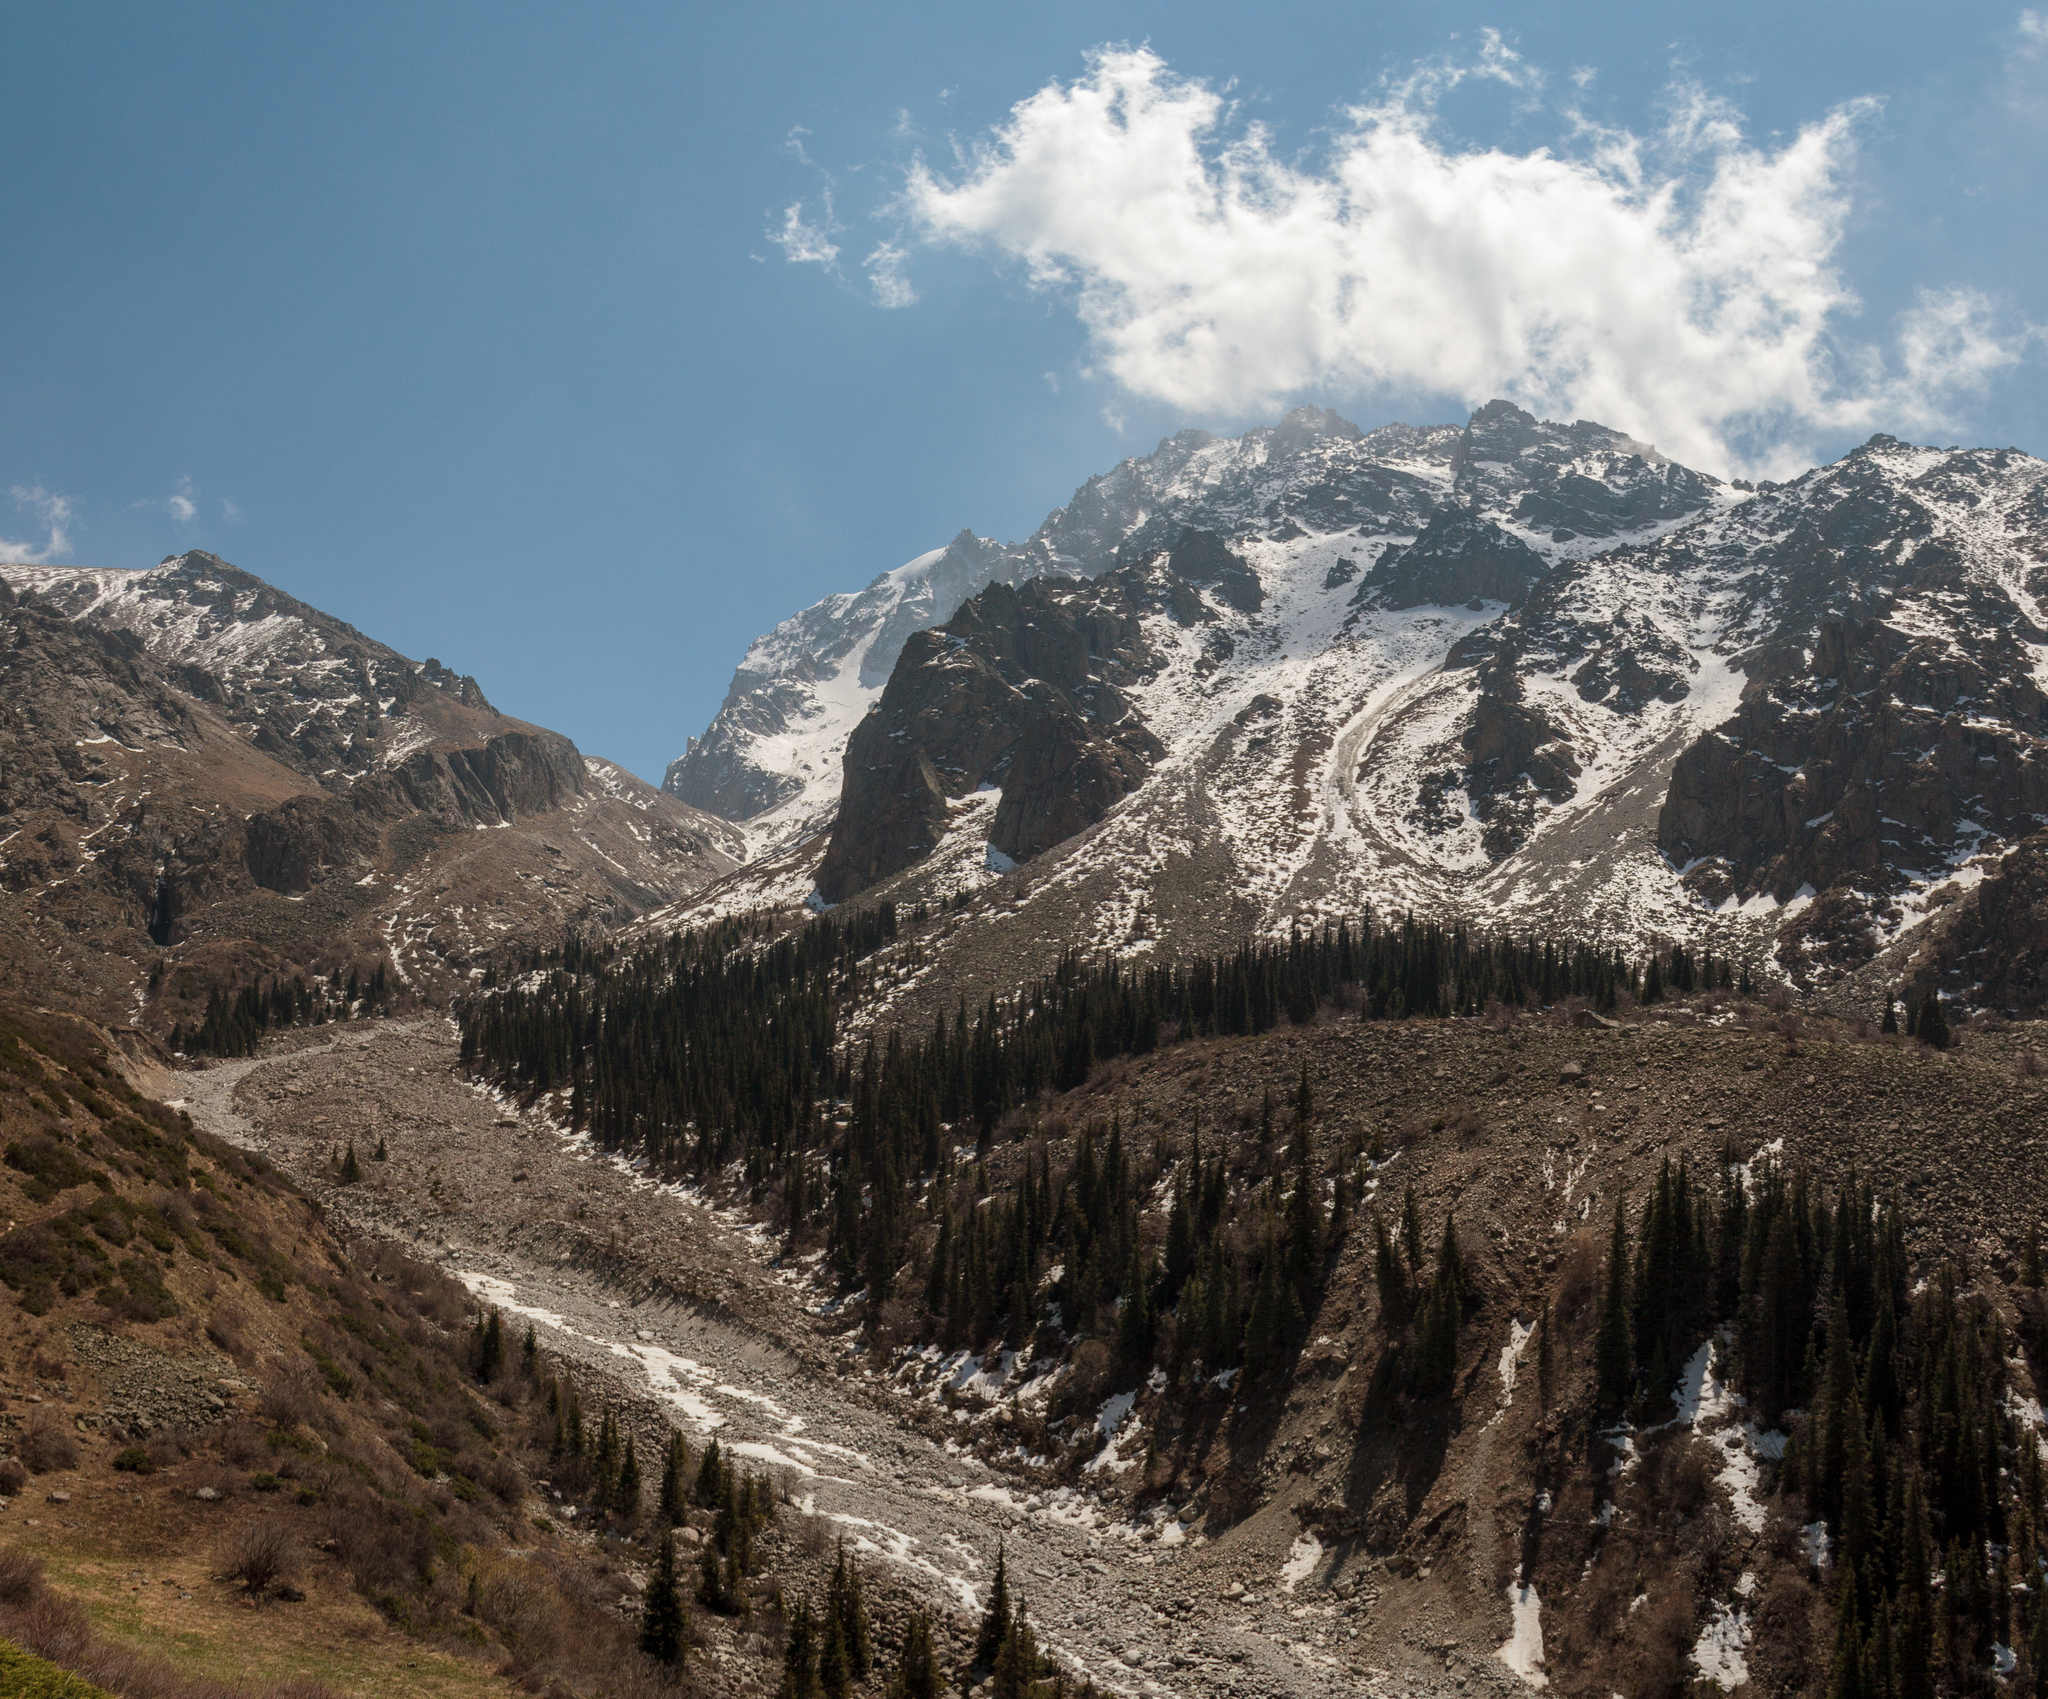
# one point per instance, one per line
(684, 1312)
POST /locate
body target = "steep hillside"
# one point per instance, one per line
(203, 782)
(248, 1454)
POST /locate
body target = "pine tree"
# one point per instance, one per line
(529, 1353)
(664, 1619)
(627, 1496)
(995, 1620)
(710, 1477)
(1846, 1670)
(917, 1673)
(383, 1155)
(800, 1655)
(1304, 1098)
(1014, 1674)
(351, 1169)
(605, 1462)
(835, 1666)
(1388, 1276)
(1890, 1023)
(936, 1280)
(711, 1585)
(1134, 1332)
(1411, 1234)
(673, 1506)
(1913, 1637)
(860, 1649)
(1934, 1028)
(1613, 1357)
(2030, 1265)
(490, 1349)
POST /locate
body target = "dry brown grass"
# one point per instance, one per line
(34, 1616)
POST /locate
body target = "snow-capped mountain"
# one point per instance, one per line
(771, 758)
(1516, 671)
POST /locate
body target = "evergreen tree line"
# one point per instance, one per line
(1929, 1488)
(599, 1464)
(235, 1021)
(718, 1046)
(1240, 1271)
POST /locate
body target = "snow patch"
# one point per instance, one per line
(1523, 1650)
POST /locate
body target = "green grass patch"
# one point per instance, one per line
(23, 1675)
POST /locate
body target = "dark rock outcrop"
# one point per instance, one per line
(165, 810)
(1892, 754)
(1019, 690)
(1995, 945)
(1459, 558)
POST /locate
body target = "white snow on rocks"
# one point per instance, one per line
(1523, 1650)
(1510, 1356)
(1302, 1558)
(1718, 1654)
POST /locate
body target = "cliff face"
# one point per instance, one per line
(1796, 724)
(1018, 692)
(1890, 750)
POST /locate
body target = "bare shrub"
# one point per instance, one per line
(501, 1477)
(1087, 1376)
(2028, 1064)
(167, 1449)
(893, 1325)
(383, 1545)
(46, 1368)
(1680, 1476)
(224, 1329)
(291, 1400)
(260, 1556)
(239, 1441)
(13, 1477)
(815, 1533)
(47, 1443)
(519, 1601)
(21, 1577)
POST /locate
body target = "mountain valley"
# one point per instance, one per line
(1401, 1062)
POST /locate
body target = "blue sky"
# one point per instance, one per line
(492, 330)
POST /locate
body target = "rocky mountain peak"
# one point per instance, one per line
(1306, 425)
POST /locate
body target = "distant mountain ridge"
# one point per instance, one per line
(203, 780)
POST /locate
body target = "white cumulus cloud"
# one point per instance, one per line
(52, 516)
(1682, 286)
(181, 506)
